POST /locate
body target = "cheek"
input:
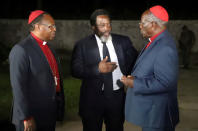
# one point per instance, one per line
(100, 30)
(48, 35)
(145, 30)
(142, 30)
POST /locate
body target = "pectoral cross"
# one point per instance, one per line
(55, 79)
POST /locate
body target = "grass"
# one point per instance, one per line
(5, 96)
(71, 89)
(72, 93)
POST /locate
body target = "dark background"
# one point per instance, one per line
(81, 9)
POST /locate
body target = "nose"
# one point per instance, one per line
(140, 25)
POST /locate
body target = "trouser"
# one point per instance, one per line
(109, 110)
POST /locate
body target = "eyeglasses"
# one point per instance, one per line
(103, 25)
(144, 23)
(49, 26)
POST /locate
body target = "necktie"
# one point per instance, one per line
(106, 52)
(108, 80)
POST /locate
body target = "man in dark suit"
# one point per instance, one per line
(38, 98)
(186, 43)
(151, 100)
(100, 60)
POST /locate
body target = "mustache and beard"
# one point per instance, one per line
(104, 36)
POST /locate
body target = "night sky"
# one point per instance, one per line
(81, 9)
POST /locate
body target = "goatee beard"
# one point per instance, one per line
(104, 39)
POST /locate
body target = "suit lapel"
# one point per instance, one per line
(94, 47)
(119, 53)
(40, 53)
(145, 52)
(139, 57)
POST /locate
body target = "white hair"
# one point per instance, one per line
(150, 17)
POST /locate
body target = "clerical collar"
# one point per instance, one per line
(44, 42)
(39, 41)
(155, 36)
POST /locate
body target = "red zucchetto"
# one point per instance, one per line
(159, 12)
(34, 14)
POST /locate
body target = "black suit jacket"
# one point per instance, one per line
(33, 86)
(85, 60)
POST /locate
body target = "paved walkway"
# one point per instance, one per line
(188, 105)
(188, 122)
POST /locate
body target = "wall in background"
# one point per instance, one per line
(70, 31)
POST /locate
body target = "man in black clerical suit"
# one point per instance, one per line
(38, 97)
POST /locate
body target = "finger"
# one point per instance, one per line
(123, 81)
(25, 127)
(112, 63)
(105, 59)
(112, 67)
(123, 77)
(115, 66)
(129, 76)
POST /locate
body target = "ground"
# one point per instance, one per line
(188, 106)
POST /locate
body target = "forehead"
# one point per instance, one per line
(143, 17)
(48, 19)
(102, 18)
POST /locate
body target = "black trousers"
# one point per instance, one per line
(111, 112)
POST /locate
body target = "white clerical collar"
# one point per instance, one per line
(149, 39)
(44, 42)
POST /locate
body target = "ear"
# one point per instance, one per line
(36, 26)
(154, 25)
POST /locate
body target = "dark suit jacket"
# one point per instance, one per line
(85, 60)
(34, 93)
(153, 100)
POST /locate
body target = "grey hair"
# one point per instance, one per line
(150, 17)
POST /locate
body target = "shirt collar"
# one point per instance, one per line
(39, 41)
(155, 36)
